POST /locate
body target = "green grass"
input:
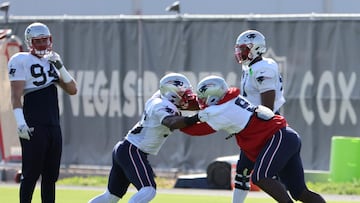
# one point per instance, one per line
(84, 193)
(350, 188)
(84, 181)
(101, 181)
(9, 194)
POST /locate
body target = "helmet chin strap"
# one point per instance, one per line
(245, 62)
(259, 58)
(212, 100)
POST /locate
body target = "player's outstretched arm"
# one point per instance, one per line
(177, 122)
(198, 129)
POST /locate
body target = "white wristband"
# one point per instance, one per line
(19, 116)
(65, 75)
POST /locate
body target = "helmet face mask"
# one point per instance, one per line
(249, 45)
(38, 39)
(210, 91)
(176, 88)
(242, 53)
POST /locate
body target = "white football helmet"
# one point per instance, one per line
(249, 45)
(176, 88)
(211, 90)
(38, 39)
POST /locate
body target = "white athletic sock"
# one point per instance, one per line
(105, 197)
(239, 195)
(144, 195)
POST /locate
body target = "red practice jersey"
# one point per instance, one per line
(237, 116)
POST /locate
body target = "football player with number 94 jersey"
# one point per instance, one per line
(33, 76)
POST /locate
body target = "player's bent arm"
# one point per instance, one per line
(198, 129)
(177, 122)
(67, 82)
(70, 87)
(17, 90)
(268, 99)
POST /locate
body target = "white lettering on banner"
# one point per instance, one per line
(88, 93)
(129, 91)
(345, 102)
(328, 82)
(307, 113)
(115, 96)
(101, 93)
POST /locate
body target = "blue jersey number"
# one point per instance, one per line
(38, 72)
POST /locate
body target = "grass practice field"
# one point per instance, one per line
(9, 194)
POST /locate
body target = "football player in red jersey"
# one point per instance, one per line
(264, 137)
(34, 76)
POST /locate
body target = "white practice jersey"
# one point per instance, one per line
(231, 116)
(37, 72)
(149, 134)
(261, 77)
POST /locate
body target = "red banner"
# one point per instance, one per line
(9, 141)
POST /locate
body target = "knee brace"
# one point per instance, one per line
(242, 181)
(144, 195)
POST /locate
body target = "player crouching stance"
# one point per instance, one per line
(160, 117)
(265, 138)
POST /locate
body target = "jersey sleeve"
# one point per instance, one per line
(198, 129)
(214, 117)
(15, 68)
(265, 79)
(163, 109)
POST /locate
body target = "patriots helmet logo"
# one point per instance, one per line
(176, 83)
(203, 88)
(251, 36)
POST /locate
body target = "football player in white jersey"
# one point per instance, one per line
(261, 83)
(263, 136)
(160, 117)
(33, 76)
